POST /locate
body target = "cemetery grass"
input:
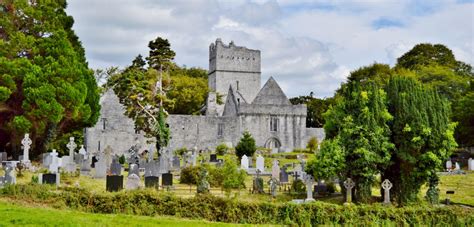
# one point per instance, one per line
(15, 213)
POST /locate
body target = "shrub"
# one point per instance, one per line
(221, 149)
(212, 208)
(312, 145)
(233, 176)
(189, 175)
(298, 187)
(246, 145)
(122, 159)
(180, 151)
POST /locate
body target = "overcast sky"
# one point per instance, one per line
(305, 45)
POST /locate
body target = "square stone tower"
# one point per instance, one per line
(231, 65)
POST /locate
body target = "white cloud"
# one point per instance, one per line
(306, 45)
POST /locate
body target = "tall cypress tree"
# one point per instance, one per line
(423, 138)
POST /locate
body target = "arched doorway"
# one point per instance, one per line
(274, 144)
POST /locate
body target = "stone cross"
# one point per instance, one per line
(349, 184)
(273, 185)
(53, 167)
(71, 146)
(26, 142)
(386, 185)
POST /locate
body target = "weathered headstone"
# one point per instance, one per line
(83, 151)
(114, 183)
(53, 167)
(470, 164)
(100, 168)
(213, 158)
(203, 184)
(457, 167)
(309, 180)
(107, 156)
(273, 185)
(152, 182)
(3, 156)
(283, 176)
(167, 179)
(47, 159)
(133, 169)
(244, 162)
(152, 169)
(49, 178)
(9, 177)
(386, 185)
(26, 142)
(257, 186)
(133, 182)
(321, 188)
(276, 170)
(176, 162)
(349, 184)
(115, 168)
(449, 165)
(260, 163)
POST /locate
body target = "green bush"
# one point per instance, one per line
(312, 145)
(221, 149)
(233, 176)
(122, 159)
(180, 151)
(152, 203)
(246, 146)
(298, 187)
(189, 175)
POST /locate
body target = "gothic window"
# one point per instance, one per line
(274, 123)
(237, 85)
(98, 146)
(220, 130)
(104, 123)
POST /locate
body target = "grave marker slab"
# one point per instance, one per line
(133, 169)
(276, 170)
(244, 162)
(167, 179)
(152, 182)
(260, 163)
(213, 158)
(133, 182)
(114, 183)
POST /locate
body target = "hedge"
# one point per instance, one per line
(152, 203)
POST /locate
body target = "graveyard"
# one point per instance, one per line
(321, 113)
(85, 192)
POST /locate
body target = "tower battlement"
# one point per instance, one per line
(233, 58)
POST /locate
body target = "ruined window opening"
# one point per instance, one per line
(238, 101)
(98, 146)
(237, 85)
(104, 123)
(274, 123)
(220, 130)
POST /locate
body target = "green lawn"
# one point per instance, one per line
(21, 215)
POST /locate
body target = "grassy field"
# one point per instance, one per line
(15, 214)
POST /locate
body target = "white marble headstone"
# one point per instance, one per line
(470, 164)
(244, 162)
(449, 165)
(133, 182)
(275, 170)
(260, 163)
(100, 168)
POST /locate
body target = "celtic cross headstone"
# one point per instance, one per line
(386, 185)
(71, 146)
(26, 142)
(349, 184)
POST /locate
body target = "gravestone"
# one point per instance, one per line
(275, 170)
(3, 156)
(194, 157)
(115, 168)
(283, 176)
(213, 158)
(152, 182)
(50, 178)
(26, 142)
(457, 167)
(53, 168)
(68, 164)
(133, 182)
(321, 188)
(260, 163)
(114, 183)
(349, 184)
(176, 162)
(449, 165)
(83, 151)
(386, 185)
(257, 186)
(9, 177)
(100, 168)
(167, 179)
(273, 185)
(309, 180)
(470, 164)
(47, 159)
(107, 157)
(152, 169)
(78, 159)
(244, 162)
(133, 169)
(203, 185)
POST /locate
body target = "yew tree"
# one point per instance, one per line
(46, 88)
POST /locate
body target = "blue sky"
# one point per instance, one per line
(306, 45)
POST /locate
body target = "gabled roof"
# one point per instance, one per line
(271, 93)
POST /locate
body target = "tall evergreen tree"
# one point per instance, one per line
(46, 88)
(423, 138)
